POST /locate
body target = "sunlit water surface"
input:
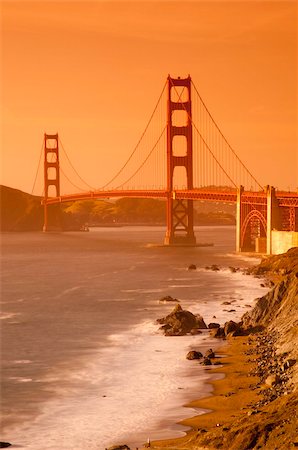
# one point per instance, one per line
(83, 362)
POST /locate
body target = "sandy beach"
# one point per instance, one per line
(255, 404)
(230, 394)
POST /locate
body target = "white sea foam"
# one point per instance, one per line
(21, 379)
(7, 315)
(139, 379)
(22, 361)
(68, 291)
(142, 291)
(184, 285)
(155, 374)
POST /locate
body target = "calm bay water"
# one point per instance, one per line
(83, 363)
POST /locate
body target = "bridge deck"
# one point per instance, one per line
(286, 199)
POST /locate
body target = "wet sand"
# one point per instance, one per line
(230, 397)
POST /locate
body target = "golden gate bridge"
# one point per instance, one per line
(182, 156)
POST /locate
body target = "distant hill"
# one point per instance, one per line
(20, 211)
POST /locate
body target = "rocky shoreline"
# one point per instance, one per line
(268, 420)
(255, 406)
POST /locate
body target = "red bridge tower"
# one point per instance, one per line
(51, 178)
(179, 212)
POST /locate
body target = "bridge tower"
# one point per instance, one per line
(179, 211)
(51, 178)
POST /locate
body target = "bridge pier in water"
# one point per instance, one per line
(179, 211)
(180, 223)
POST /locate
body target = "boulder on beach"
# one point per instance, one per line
(4, 444)
(210, 354)
(192, 267)
(213, 267)
(180, 322)
(119, 447)
(200, 322)
(232, 328)
(206, 362)
(217, 332)
(193, 354)
(213, 325)
(168, 299)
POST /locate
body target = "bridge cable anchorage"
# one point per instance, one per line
(74, 169)
(38, 167)
(145, 160)
(224, 138)
(205, 143)
(138, 143)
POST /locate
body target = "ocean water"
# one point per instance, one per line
(83, 362)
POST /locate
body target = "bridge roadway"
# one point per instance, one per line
(285, 199)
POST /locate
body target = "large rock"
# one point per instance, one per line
(206, 362)
(210, 354)
(232, 328)
(200, 322)
(168, 299)
(217, 332)
(213, 325)
(193, 354)
(119, 447)
(180, 322)
(214, 267)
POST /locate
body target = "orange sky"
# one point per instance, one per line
(93, 71)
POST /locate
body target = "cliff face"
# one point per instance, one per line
(271, 420)
(278, 265)
(277, 311)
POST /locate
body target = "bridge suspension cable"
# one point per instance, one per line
(202, 138)
(215, 164)
(71, 182)
(145, 160)
(120, 171)
(224, 138)
(38, 167)
(73, 168)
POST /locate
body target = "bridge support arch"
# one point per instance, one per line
(256, 217)
(179, 211)
(51, 180)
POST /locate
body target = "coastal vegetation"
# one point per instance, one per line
(24, 212)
